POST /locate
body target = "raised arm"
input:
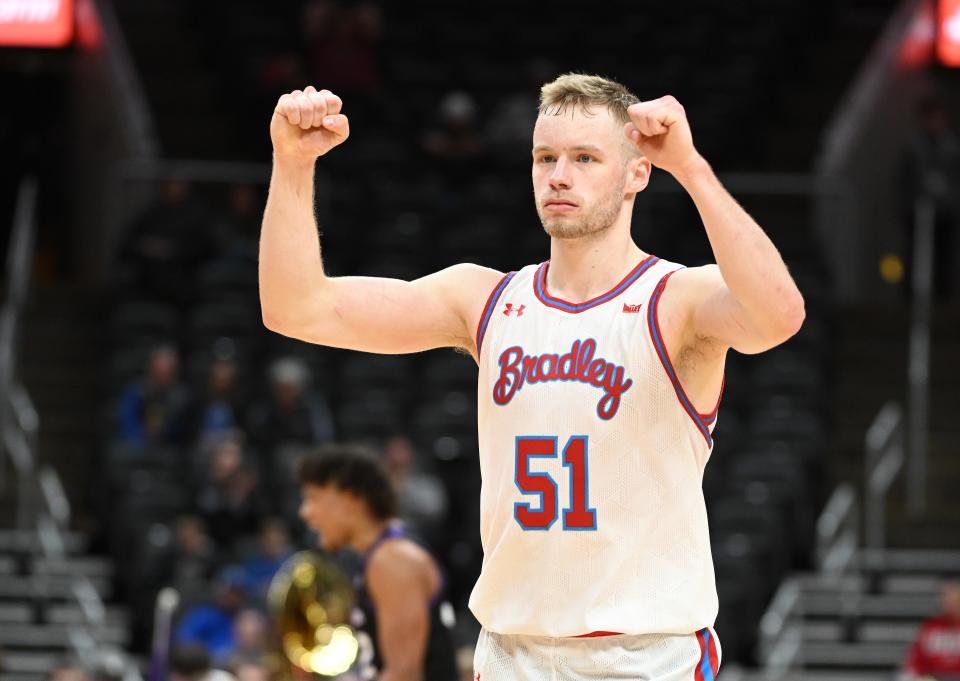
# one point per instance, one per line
(299, 300)
(748, 300)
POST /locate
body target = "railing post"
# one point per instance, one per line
(883, 459)
(918, 371)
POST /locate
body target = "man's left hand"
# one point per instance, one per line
(660, 131)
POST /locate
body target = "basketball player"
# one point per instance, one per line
(349, 500)
(600, 374)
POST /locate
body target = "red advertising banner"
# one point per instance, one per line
(36, 23)
(948, 32)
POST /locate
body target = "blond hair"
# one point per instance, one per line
(584, 91)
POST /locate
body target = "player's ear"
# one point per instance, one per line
(638, 173)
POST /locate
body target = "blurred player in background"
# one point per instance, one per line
(349, 500)
(600, 373)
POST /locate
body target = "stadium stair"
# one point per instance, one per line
(39, 613)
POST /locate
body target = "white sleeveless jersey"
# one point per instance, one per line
(592, 459)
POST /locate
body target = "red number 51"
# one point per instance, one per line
(579, 515)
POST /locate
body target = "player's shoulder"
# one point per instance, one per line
(468, 273)
(399, 552)
(398, 560)
(694, 278)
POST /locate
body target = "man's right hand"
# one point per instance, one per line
(307, 124)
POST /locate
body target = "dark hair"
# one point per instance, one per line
(351, 468)
(190, 661)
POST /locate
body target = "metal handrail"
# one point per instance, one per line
(836, 551)
(884, 456)
(918, 367)
(838, 532)
(42, 505)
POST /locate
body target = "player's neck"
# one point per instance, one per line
(366, 533)
(581, 269)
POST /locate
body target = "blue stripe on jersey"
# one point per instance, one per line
(665, 360)
(488, 310)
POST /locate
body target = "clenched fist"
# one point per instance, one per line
(307, 124)
(660, 130)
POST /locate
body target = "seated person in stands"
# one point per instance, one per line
(69, 671)
(152, 410)
(220, 408)
(229, 498)
(211, 625)
(293, 413)
(935, 654)
(274, 547)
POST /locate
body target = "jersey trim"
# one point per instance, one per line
(488, 308)
(708, 419)
(540, 288)
(599, 634)
(709, 664)
(653, 323)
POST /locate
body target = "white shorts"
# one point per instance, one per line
(651, 657)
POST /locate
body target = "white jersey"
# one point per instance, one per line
(592, 458)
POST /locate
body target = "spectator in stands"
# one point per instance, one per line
(936, 651)
(222, 407)
(274, 549)
(191, 662)
(421, 497)
(251, 671)
(152, 410)
(508, 127)
(187, 566)
(292, 413)
(211, 624)
(166, 242)
(251, 639)
(238, 229)
(229, 498)
(931, 168)
(456, 139)
(341, 45)
(69, 671)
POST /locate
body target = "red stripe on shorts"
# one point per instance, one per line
(714, 657)
(697, 673)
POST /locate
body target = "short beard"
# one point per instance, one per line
(596, 221)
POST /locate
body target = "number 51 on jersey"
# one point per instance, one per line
(577, 516)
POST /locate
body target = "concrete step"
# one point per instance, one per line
(50, 587)
(15, 613)
(32, 663)
(52, 635)
(901, 634)
(888, 606)
(21, 542)
(93, 567)
(22, 677)
(853, 656)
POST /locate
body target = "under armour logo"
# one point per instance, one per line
(511, 308)
(633, 309)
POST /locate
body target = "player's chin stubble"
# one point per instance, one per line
(597, 220)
